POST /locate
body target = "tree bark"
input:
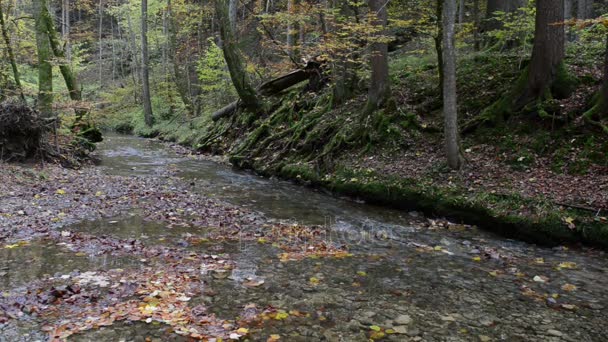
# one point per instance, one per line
(145, 65)
(450, 111)
(476, 40)
(548, 50)
(100, 43)
(582, 9)
(379, 89)
(232, 13)
(71, 81)
(461, 11)
(11, 55)
(599, 110)
(45, 69)
(233, 58)
(438, 42)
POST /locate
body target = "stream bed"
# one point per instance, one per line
(405, 277)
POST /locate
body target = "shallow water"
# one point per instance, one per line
(424, 281)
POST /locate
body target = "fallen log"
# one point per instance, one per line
(226, 111)
(275, 86)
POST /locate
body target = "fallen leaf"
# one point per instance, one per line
(568, 287)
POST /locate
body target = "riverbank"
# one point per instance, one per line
(542, 180)
(509, 203)
(540, 188)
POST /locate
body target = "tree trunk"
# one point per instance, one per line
(145, 65)
(66, 27)
(11, 54)
(232, 13)
(476, 41)
(135, 60)
(438, 44)
(547, 53)
(461, 11)
(69, 77)
(172, 54)
(450, 110)
(379, 90)
(100, 43)
(582, 9)
(45, 69)
(599, 110)
(233, 58)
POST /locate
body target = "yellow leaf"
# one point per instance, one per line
(281, 315)
(243, 331)
(375, 328)
(438, 248)
(12, 246)
(566, 264)
(568, 287)
(262, 240)
(314, 281)
(476, 258)
(98, 193)
(273, 338)
(362, 273)
(539, 261)
(60, 192)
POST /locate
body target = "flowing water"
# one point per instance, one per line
(409, 278)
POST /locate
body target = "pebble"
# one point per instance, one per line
(403, 320)
(400, 329)
(554, 332)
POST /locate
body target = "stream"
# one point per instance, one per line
(407, 277)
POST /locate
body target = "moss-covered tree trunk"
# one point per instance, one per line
(547, 53)
(11, 54)
(599, 111)
(546, 75)
(45, 69)
(379, 89)
(71, 81)
(236, 67)
(145, 65)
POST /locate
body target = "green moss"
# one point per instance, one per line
(544, 223)
(564, 84)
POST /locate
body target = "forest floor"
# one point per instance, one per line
(147, 247)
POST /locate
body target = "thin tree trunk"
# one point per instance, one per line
(290, 37)
(461, 11)
(66, 27)
(11, 55)
(438, 42)
(100, 43)
(45, 69)
(233, 58)
(379, 90)
(232, 11)
(477, 42)
(136, 75)
(69, 77)
(450, 109)
(112, 41)
(144, 65)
